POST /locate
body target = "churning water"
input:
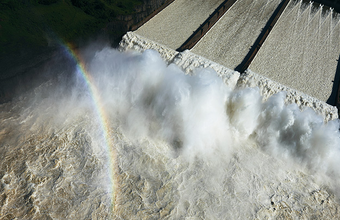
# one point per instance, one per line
(125, 136)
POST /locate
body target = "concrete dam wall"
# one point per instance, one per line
(301, 51)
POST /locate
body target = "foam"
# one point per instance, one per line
(188, 145)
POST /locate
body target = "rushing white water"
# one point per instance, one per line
(186, 146)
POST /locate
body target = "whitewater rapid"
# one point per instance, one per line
(192, 145)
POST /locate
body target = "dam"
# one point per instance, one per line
(301, 51)
(211, 109)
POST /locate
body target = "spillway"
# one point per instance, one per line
(189, 14)
(147, 132)
(229, 41)
(302, 51)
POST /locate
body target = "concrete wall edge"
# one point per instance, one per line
(189, 61)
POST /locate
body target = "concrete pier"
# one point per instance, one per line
(174, 25)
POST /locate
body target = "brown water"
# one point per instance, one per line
(184, 147)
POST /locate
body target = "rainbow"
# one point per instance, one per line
(100, 111)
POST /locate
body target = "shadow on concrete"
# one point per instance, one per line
(206, 26)
(333, 99)
(262, 37)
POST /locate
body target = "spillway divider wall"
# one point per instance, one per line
(206, 26)
(262, 37)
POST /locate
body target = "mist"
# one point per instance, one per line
(198, 115)
(204, 125)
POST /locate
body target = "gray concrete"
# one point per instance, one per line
(302, 50)
(229, 41)
(189, 61)
(174, 25)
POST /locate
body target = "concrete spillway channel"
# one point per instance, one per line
(166, 4)
(176, 23)
(262, 37)
(206, 26)
(292, 42)
(302, 50)
(231, 39)
(184, 24)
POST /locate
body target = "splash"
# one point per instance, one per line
(199, 114)
(209, 128)
(187, 145)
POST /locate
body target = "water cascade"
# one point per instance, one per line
(147, 132)
(182, 146)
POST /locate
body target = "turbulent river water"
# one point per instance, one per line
(123, 135)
